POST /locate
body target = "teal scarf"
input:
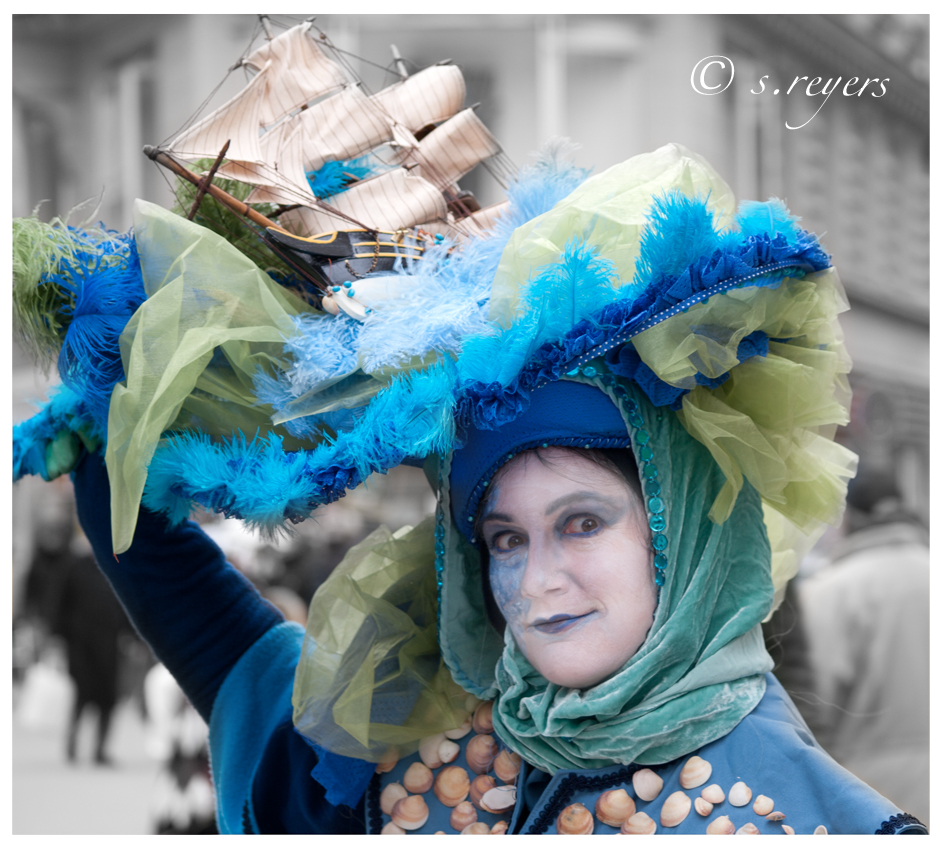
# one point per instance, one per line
(701, 668)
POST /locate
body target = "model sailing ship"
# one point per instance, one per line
(304, 116)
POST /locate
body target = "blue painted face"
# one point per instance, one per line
(570, 565)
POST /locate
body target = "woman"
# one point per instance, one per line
(629, 455)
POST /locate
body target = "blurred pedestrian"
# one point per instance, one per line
(866, 620)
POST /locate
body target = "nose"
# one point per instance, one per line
(546, 570)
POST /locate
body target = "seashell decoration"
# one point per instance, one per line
(410, 813)
(392, 828)
(702, 806)
(763, 805)
(748, 828)
(448, 751)
(575, 819)
(461, 731)
(613, 807)
(477, 828)
(714, 793)
(428, 750)
(418, 778)
(639, 823)
(499, 800)
(695, 772)
(391, 794)
(483, 720)
(479, 786)
(452, 785)
(787, 829)
(463, 815)
(675, 809)
(647, 784)
(481, 751)
(775, 816)
(507, 765)
(389, 761)
(740, 794)
(499, 827)
(721, 825)
(439, 832)
(819, 830)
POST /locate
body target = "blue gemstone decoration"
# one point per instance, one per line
(660, 561)
(646, 453)
(650, 470)
(659, 578)
(335, 288)
(439, 548)
(657, 523)
(439, 532)
(572, 373)
(621, 392)
(652, 487)
(655, 504)
(347, 284)
(589, 371)
(634, 418)
(659, 542)
(642, 437)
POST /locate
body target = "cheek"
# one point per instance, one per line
(505, 578)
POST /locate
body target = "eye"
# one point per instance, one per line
(582, 525)
(507, 541)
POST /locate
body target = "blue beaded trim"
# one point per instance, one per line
(575, 365)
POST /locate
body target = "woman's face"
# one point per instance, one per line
(570, 565)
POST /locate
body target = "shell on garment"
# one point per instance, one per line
(392, 828)
(763, 805)
(748, 828)
(499, 827)
(463, 815)
(787, 829)
(721, 825)
(695, 772)
(639, 823)
(389, 761)
(452, 785)
(702, 806)
(391, 794)
(448, 751)
(647, 784)
(507, 765)
(740, 794)
(575, 819)
(483, 720)
(675, 809)
(477, 828)
(410, 813)
(775, 816)
(481, 751)
(613, 807)
(479, 786)
(820, 830)
(428, 750)
(418, 778)
(499, 800)
(714, 793)
(461, 731)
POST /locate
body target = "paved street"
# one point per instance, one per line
(51, 796)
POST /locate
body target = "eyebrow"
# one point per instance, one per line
(562, 501)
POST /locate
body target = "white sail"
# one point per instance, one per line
(236, 121)
(390, 201)
(476, 224)
(452, 149)
(341, 127)
(300, 71)
(428, 97)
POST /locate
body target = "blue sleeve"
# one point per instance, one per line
(198, 613)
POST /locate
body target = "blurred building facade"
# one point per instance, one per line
(90, 90)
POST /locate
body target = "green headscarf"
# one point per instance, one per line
(699, 671)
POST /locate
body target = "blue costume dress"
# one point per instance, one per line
(235, 656)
